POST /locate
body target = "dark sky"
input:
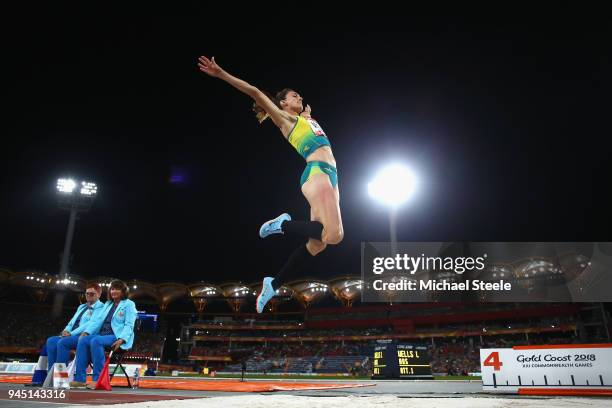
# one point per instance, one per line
(505, 122)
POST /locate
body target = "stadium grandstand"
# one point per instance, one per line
(310, 327)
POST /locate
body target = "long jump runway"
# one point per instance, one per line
(253, 393)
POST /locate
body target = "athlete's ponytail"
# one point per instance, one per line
(260, 113)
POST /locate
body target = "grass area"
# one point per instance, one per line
(457, 377)
(310, 377)
(271, 376)
(293, 377)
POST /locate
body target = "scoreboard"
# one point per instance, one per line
(393, 360)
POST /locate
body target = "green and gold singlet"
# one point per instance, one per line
(306, 137)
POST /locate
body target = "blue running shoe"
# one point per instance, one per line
(267, 293)
(274, 226)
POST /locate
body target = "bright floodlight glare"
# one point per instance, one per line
(88, 188)
(393, 185)
(65, 185)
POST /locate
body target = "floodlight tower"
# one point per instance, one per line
(393, 186)
(75, 196)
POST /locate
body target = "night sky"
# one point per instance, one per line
(505, 123)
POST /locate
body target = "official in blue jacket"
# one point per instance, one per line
(58, 347)
(113, 327)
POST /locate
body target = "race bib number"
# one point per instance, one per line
(316, 128)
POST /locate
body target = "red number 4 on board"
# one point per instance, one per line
(493, 361)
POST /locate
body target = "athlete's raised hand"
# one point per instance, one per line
(209, 66)
(306, 112)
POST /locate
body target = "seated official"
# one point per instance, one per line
(113, 326)
(58, 347)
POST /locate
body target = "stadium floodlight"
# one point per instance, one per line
(76, 196)
(393, 186)
(88, 188)
(65, 185)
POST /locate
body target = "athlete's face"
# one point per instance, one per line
(293, 102)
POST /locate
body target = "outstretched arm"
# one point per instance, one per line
(282, 119)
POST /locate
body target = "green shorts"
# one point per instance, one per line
(319, 167)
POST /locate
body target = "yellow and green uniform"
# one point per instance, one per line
(306, 137)
(319, 167)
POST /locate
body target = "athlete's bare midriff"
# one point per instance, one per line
(324, 154)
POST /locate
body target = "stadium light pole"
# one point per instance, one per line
(75, 196)
(392, 186)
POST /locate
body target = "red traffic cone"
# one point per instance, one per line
(104, 379)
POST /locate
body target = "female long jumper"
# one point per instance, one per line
(319, 180)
